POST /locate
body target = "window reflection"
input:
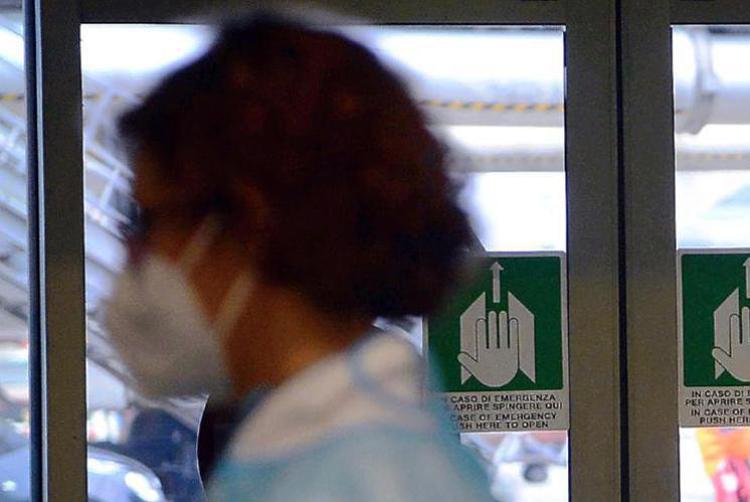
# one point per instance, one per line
(712, 150)
(503, 121)
(14, 299)
(159, 438)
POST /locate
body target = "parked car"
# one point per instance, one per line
(168, 447)
(111, 477)
(160, 442)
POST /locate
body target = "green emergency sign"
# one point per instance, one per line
(499, 347)
(714, 337)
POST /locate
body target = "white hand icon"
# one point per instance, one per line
(737, 361)
(496, 361)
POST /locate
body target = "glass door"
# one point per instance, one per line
(15, 395)
(494, 95)
(683, 74)
(712, 135)
(523, 94)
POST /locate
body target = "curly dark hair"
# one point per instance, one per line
(360, 215)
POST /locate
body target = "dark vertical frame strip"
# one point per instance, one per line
(649, 178)
(61, 250)
(623, 346)
(713, 12)
(593, 261)
(32, 211)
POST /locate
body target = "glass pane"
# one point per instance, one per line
(14, 298)
(495, 95)
(138, 449)
(712, 123)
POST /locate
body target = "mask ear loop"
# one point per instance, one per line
(233, 305)
(236, 298)
(199, 243)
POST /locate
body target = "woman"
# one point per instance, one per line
(289, 195)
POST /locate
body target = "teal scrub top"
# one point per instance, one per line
(353, 427)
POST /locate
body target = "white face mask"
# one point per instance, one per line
(161, 331)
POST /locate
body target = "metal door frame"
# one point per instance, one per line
(649, 236)
(594, 214)
(648, 262)
(57, 330)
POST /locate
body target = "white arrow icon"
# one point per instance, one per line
(496, 269)
(747, 278)
(496, 345)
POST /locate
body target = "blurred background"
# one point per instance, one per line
(496, 97)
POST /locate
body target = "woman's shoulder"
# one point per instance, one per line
(356, 427)
(376, 384)
(363, 463)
